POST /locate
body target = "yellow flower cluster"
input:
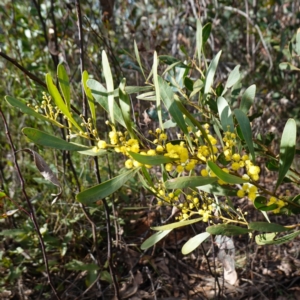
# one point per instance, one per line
(248, 190)
(280, 203)
(229, 140)
(177, 151)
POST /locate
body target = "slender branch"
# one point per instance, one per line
(30, 207)
(26, 72)
(80, 36)
(109, 235)
(257, 29)
(38, 7)
(107, 215)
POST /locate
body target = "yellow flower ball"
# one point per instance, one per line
(102, 144)
(163, 137)
(235, 166)
(169, 167)
(236, 157)
(241, 193)
(179, 168)
(129, 164)
(204, 172)
(159, 148)
(151, 152)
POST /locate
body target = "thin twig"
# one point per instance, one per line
(30, 207)
(80, 36)
(26, 72)
(257, 29)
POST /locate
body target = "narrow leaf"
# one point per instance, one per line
(64, 84)
(125, 108)
(45, 171)
(269, 238)
(59, 102)
(211, 73)
(226, 229)
(288, 66)
(287, 149)
(48, 140)
(167, 96)
(233, 78)
(152, 160)
(194, 242)
(248, 99)
(155, 238)
(176, 224)
(199, 41)
(228, 178)
(267, 227)
(109, 86)
(188, 181)
(138, 59)
(245, 129)
(20, 104)
(100, 94)
(218, 190)
(91, 101)
(225, 115)
(98, 192)
(157, 89)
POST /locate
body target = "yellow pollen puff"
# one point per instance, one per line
(190, 166)
(253, 170)
(191, 205)
(102, 144)
(179, 168)
(245, 186)
(189, 197)
(206, 126)
(135, 148)
(252, 196)
(196, 200)
(212, 140)
(137, 164)
(159, 148)
(161, 193)
(245, 157)
(236, 157)
(163, 137)
(129, 164)
(225, 170)
(171, 195)
(169, 167)
(246, 177)
(241, 193)
(204, 172)
(235, 166)
(151, 152)
(206, 216)
(158, 130)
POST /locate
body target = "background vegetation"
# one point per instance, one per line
(83, 248)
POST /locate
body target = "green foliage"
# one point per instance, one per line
(196, 149)
(199, 159)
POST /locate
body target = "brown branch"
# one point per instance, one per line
(30, 207)
(80, 36)
(26, 72)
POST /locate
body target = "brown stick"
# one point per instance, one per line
(30, 207)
